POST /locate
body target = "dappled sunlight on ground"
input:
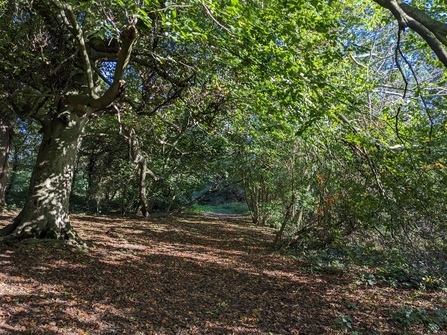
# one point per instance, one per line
(191, 275)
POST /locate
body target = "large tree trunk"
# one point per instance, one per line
(5, 145)
(46, 211)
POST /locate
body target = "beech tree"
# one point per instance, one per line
(51, 72)
(65, 66)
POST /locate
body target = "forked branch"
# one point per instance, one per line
(113, 92)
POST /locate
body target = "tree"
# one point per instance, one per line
(380, 171)
(66, 93)
(84, 47)
(6, 131)
(83, 51)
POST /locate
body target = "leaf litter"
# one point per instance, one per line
(186, 275)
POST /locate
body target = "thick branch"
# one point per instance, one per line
(129, 36)
(424, 19)
(429, 29)
(117, 87)
(78, 34)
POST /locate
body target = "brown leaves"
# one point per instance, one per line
(192, 275)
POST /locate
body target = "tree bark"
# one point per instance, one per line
(46, 210)
(136, 156)
(432, 31)
(142, 188)
(5, 145)
(290, 213)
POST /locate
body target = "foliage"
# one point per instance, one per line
(371, 171)
(228, 208)
(329, 116)
(344, 323)
(25, 142)
(330, 120)
(375, 266)
(432, 320)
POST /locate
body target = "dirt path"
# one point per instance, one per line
(191, 275)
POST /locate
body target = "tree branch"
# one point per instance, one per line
(117, 87)
(424, 19)
(78, 34)
(207, 10)
(163, 74)
(429, 29)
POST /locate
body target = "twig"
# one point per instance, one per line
(398, 51)
(214, 19)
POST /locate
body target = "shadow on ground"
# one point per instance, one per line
(189, 275)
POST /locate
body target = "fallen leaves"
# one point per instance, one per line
(192, 275)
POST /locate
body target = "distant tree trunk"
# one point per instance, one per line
(46, 210)
(290, 214)
(13, 166)
(5, 145)
(257, 196)
(137, 156)
(142, 188)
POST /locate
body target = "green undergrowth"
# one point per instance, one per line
(236, 208)
(432, 320)
(377, 267)
(372, 267)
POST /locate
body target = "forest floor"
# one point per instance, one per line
(205, 274)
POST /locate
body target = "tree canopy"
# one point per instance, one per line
(323, 122)
(326, 117)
